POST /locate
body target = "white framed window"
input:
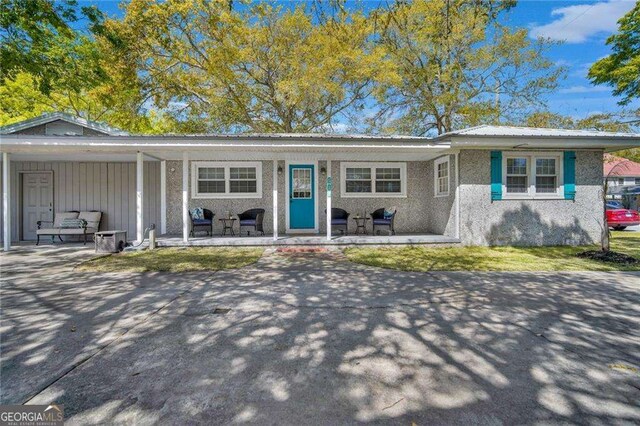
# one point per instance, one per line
(532, 175)
(226, 179)
(441, 172)
(373, 180)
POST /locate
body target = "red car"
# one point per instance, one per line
(619, 219)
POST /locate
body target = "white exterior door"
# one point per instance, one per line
(37, 202)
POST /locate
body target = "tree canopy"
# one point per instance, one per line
(201, 65)
(621, 69)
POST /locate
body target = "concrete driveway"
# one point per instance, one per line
(314, 339)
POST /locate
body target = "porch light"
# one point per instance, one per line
(279, 170)
(323, 171)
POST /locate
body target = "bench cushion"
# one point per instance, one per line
(60, 216)
(48, 231)
(92, 218)
(338, 221)
(201, 222)
(248, 222)
(382, 221)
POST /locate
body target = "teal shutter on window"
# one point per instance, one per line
(496, 175)
(569, 175)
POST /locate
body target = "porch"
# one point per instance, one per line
(307, 240)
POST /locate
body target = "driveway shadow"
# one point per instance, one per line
(316, 339)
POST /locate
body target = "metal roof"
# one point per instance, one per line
(535, 132)
(69, 118)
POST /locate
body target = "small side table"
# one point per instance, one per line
(361, 224)
(227, 224)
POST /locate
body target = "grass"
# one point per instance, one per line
(174, 260)
(559, 258)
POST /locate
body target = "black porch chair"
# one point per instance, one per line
(252, 218)
(207, 222)
(379, 219)
(340, 219)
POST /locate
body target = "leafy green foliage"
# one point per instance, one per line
(455, 65)
(256, 67)
(621, 69)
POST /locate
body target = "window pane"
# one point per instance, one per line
(516, 166)
(216, 173)
(388, 173)
(545, 184)
(243, 186)
(359, 186)
(388, 186)
(443, 169)
(443, 185)
(301, 183)
(517, 184)
(211, 186)
(358, 173)
(546, 166)
(242, 172)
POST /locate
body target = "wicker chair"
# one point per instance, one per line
(207, 222)
(252, 219)
(379, 219)
(340, 220)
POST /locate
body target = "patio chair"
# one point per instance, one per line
(252, 219)
(380, 218)
(205, 222)
(340, 219)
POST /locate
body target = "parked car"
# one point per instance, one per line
(620, 218)
(615, 204)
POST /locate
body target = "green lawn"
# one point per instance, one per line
(415, 258)
(174, 260)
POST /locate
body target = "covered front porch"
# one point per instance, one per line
(137, 182)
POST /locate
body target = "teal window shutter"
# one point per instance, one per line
(569, 175)
(496, 175)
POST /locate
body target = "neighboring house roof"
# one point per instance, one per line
(620, 167)
(69, 118)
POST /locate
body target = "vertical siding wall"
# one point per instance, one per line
(107, 187)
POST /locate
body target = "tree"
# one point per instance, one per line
(252, 67)
(455, 65)
(36, 37)
(621, 69)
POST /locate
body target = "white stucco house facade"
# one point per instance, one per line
(488, 185)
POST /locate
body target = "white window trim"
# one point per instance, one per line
(436, 188)
(373, 193)
(531, 175)
(195, 165)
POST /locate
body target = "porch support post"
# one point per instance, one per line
(185, 196)
(139, 197)
(6, 203)
(329, 189)
(457, 193)
(163, 197)
(275, 200)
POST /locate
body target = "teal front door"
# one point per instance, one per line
(302, 194)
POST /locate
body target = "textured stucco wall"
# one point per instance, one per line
(442, 215)
(413, 211)
(529, 222)
(221, 206)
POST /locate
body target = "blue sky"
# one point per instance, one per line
(582, 26)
